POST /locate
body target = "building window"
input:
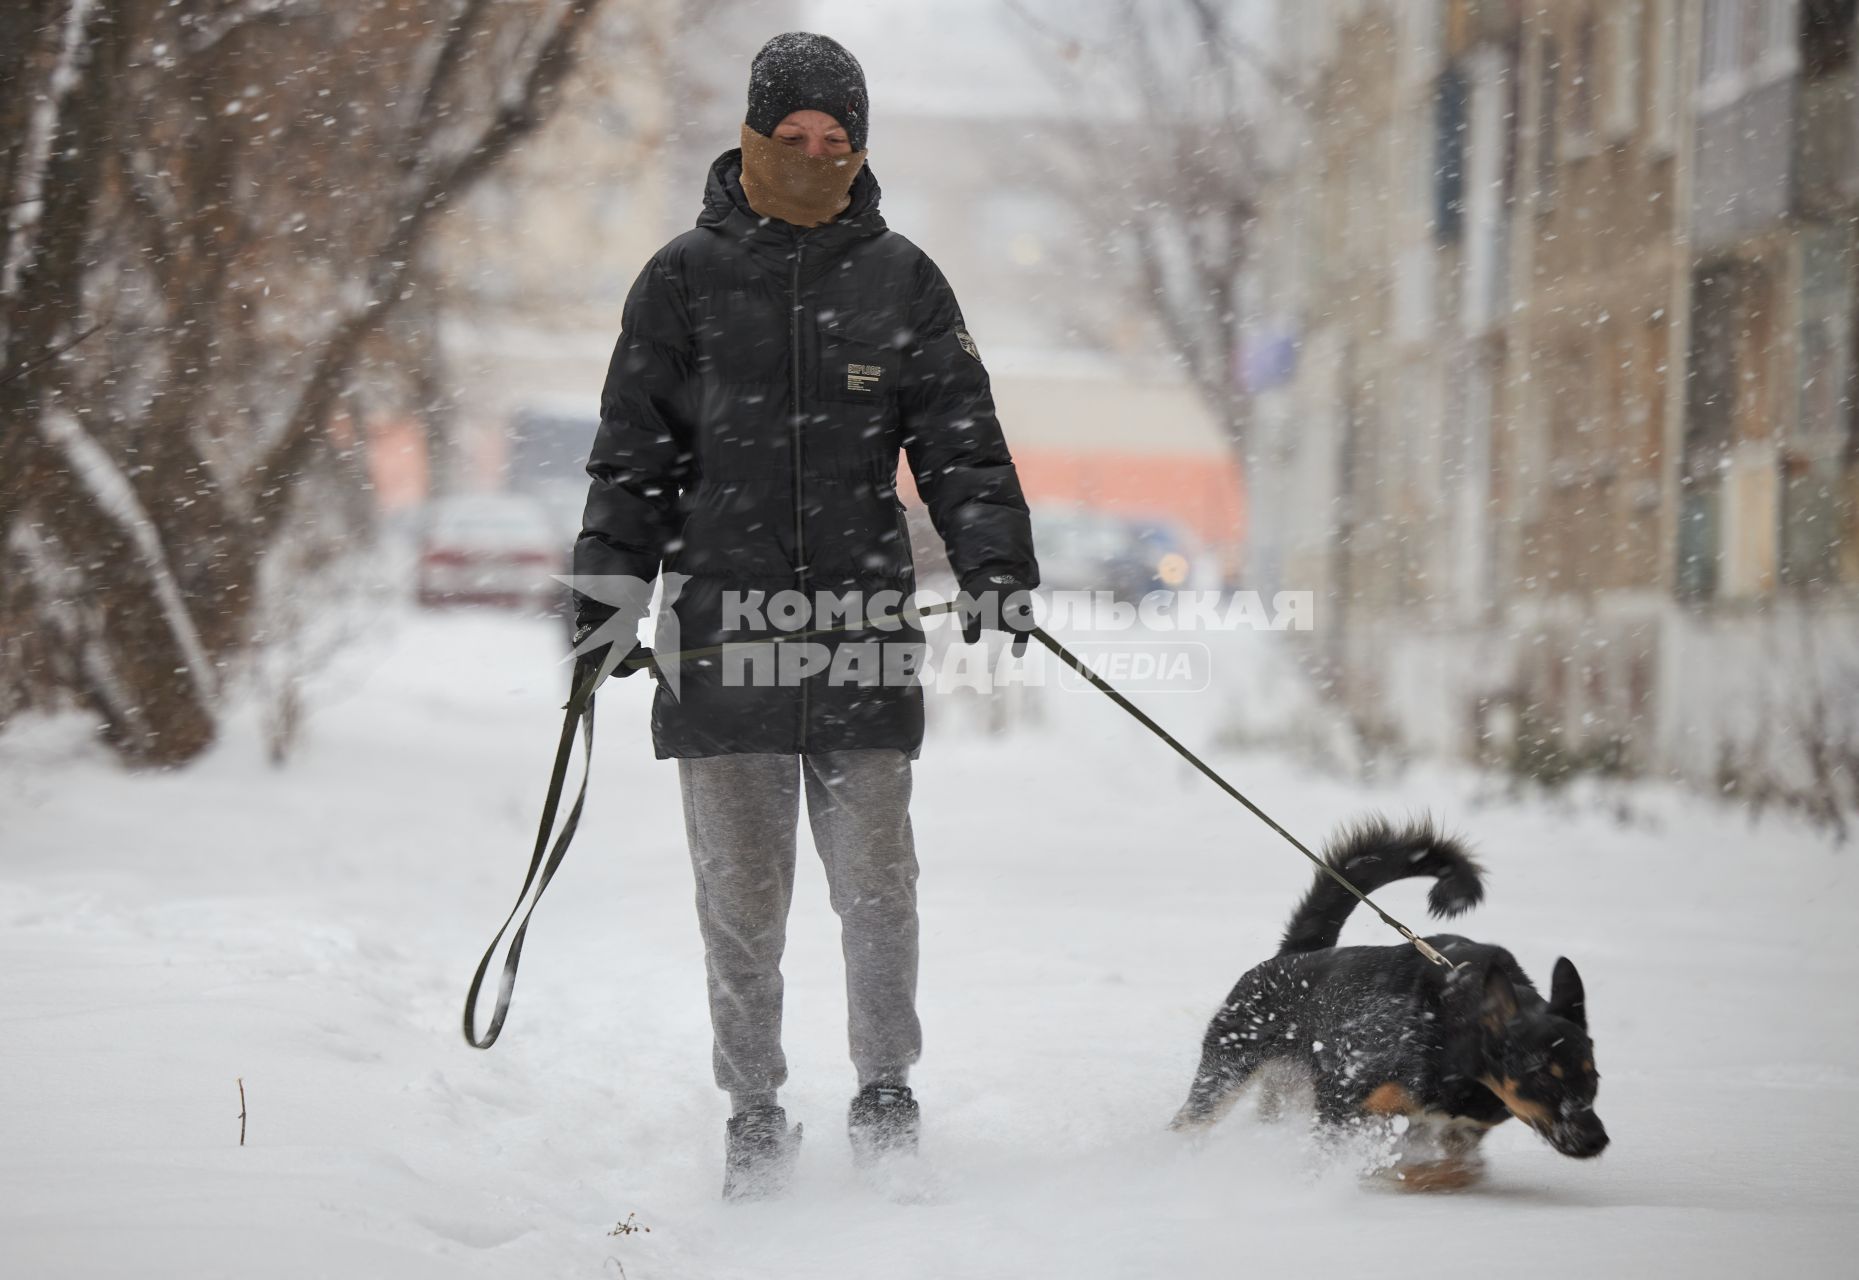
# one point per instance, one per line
(1813, 516)
(1776, 56)
(1746, 44)
(1700, 534)
(1827, 341)
(1585, 87)
(1719, 59)
(1716, 326)
(1450, 128)
(1624, 22)
(1815, 512)
(1548, 68)
(1662, 89)
(1717, 319)
(1826, 35)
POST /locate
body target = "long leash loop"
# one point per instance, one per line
(580, 714)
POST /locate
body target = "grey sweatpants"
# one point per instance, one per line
(741, 814)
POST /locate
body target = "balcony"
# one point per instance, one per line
(1778, 137)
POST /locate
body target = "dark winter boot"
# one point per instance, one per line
(759, 1153)
(883, 1123)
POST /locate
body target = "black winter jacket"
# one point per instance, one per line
(764, 380)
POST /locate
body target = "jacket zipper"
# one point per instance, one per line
(800, 533)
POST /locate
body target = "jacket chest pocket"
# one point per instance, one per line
(856, 369)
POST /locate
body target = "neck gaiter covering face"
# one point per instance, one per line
(786, 183)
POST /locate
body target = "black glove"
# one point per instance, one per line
(589, 661)
(998, 602)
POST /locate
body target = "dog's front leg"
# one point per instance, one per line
(1436, 1156)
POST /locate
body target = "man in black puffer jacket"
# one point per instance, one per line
(773, 363)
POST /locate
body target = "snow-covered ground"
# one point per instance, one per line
(1087, 901)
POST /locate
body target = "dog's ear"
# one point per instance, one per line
(1566, 997)
(1500, 1001)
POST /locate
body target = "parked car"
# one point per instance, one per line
(1166, 555)
(492, 549)
(1085, 550)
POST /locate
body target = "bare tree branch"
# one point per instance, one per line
(513, 120)
(212, 183)
(1173, 190)
(51, 355)
(209, 32)
(465, 27)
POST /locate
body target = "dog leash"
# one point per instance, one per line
(547, 858)
(1110, 691)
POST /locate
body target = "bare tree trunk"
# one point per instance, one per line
(245, 255)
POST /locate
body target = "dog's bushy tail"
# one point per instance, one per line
(1372, 853)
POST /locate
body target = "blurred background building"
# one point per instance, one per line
(1565, 436)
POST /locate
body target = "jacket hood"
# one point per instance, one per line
(726, 208)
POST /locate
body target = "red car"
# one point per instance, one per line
(490, 548)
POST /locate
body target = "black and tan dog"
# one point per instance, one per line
(1383, 1036)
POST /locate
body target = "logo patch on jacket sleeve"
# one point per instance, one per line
(968, 343)
(863, 377)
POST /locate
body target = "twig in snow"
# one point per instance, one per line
(632, 1226)
(242, 1111)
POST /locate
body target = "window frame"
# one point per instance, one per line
(1584, 90)
(1546, 75)
(1745, 46)
(1662, 94)
(1625, 30)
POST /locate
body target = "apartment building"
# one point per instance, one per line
(1568, 441)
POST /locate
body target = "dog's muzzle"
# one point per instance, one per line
(1583, 1138)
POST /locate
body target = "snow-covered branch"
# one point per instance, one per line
(116, 498)
(58, 587)
(208, 32)
(41, 130)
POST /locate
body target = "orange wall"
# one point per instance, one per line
(397, 462)
(1205, 495)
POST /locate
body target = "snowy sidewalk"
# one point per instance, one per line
(1087, 902)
